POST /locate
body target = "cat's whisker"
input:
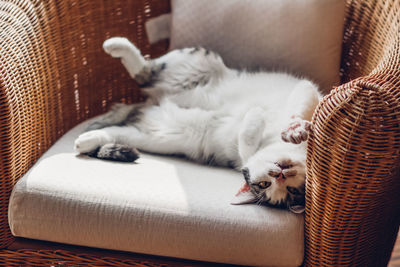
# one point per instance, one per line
(260, 201)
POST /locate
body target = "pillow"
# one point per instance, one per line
(302, 37)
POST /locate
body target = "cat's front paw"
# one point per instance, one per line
(90, 141)
(117, 46)
(297, 131)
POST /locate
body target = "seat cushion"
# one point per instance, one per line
(302, 37)
(160, 205)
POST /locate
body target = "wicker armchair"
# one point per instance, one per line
(54, 74)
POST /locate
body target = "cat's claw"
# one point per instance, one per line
(89, 141)
(296, 132)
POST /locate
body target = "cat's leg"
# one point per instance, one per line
(177, 71)
(250, 133)
(136, 65)
(119, 114)
(161, 129)
(299, 109)
(153, 142)
(187, 68)
(91, 141)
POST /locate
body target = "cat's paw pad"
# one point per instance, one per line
(117, 46)
(89, 141)
(296, 132)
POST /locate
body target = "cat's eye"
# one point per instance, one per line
(293, 190)
(264, 184)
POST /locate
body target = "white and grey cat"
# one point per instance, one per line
(255, 122)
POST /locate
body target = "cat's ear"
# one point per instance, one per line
(297, 209)
(244, 196)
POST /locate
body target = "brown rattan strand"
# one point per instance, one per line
(54, 74)
(33, 258)
(353, 181)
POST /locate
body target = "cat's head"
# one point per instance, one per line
(275, 176)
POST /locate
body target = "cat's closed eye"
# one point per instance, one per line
(293, 190)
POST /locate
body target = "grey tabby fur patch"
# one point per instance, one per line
(115, 152)
(120, 115)
(149, 74)
(132, 117)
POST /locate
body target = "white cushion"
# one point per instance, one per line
(160, 205)
(303, 37)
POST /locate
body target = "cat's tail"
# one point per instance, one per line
(115, 152)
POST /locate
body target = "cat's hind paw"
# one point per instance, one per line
(90, 141)
(117, 46)
(297, 131)
(131, 58)
(117, 152)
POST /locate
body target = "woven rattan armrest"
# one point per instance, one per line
(353, 181)
(54, 74)
(352, 199)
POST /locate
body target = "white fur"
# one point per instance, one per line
(229, 116)
(131, 58)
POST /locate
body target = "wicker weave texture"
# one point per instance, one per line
(32, 258)
(54, 74)
(353, 182)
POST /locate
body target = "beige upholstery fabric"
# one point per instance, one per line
(303, 37)
(161, 206)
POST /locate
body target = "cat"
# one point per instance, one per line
(254, 122)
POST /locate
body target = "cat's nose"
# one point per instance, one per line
(277, 174)
(280, 178)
